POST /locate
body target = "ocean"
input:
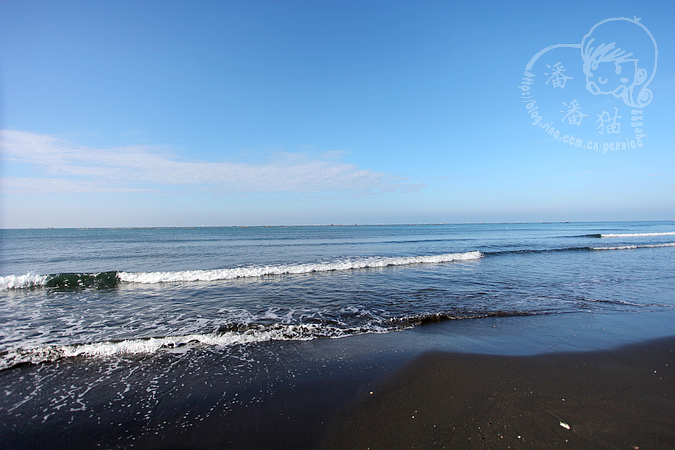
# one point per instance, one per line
(129, 327)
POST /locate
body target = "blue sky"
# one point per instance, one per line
(304, 112)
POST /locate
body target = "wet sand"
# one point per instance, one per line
(388, 391)
(623, 398)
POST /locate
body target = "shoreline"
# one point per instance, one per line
(470, 383)
(623, 397)
(618, 398)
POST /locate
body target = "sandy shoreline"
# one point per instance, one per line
(425, 394)
(623, 398)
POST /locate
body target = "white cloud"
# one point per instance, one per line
(69, 168)
(32, 185)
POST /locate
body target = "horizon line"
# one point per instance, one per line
(519, 222)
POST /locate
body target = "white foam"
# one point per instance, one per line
(286, 269)
(667, 233)
(31, 279)
(300, 332)
(630, 247)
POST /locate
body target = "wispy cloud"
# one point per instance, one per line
(68, 168)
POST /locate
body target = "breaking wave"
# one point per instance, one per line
(152, 345)
(630, 247)
(231, 335)
(287, 269)
(667, 233)
(109, 280)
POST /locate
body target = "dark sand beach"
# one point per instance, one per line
(372, 391)
(624, 398)
(620, 398)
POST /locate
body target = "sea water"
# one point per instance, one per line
(131, 313)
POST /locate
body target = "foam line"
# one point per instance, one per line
(610, 235)
(29, 280)
(285, 269)
(630, 247)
